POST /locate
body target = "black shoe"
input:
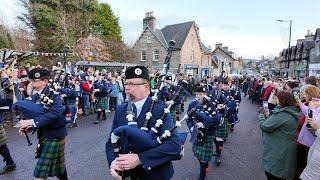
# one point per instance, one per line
(104, 118)
(73, 125)
(217, 161)
(231, 129)
(96, 121)
(8, 168)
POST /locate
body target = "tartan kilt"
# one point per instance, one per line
(3, 137)
(222, 131)
(52, 161)
(175, 113)
(102, 102)
(204, 152)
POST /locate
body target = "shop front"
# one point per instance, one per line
(314, 70)
(191, 69)
(205, 72)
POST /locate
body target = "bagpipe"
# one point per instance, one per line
(228, 106)
(204, 111)
(131, 131)
(140, 140)
(143, 140)
(159, 85)
(27, 109)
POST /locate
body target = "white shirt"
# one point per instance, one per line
(139, 105)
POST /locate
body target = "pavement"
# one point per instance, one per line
(86, 159)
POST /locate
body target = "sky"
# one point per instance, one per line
(248, 27)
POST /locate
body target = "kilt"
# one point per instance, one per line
(3, 137)
(102, 102)
(222, 131)
(175, 113)
(204, 152)
(52, 161)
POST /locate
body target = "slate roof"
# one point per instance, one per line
(160, 37)
(205, 49)
(307, 45)
(177, 32)
(224, 52)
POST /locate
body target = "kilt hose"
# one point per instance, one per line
(3, 137)
(222, 131)
(102, 102)
(52, 160)
(204, 152)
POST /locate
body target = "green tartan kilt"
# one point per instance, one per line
(102, 102)
(222, 131)
(204, 152)
(174, 112)
(52, 161)
(3, 137)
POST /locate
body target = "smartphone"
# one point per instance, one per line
(265, 106)
(310, 115)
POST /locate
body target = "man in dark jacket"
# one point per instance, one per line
(50, 127)
(154, 163)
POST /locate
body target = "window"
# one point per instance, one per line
(148, 38)
(156, 55)
(192, 40)
(192, 55)
(143, 55)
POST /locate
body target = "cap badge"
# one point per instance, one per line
(138, 71)
(37, 75)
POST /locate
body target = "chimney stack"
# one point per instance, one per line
(149, 21)
(309, 36)
(218, 45)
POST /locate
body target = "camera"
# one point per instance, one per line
(310, 115)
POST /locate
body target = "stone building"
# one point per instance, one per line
(190, 55)
(152, 45)
(226, 61)
(302, 59)
(314, 66)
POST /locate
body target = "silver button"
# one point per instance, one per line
(149, 168)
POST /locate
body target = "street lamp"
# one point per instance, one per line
(290, 26)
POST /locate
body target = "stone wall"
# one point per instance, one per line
(154, 44)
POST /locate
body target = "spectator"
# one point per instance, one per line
(278, 130)
(312, 93)
(114, 94)
(86, 91)
(120, 98)
(311, 80)
(292, 86)
(312, 170)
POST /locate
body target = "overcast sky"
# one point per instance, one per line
(247, 27)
